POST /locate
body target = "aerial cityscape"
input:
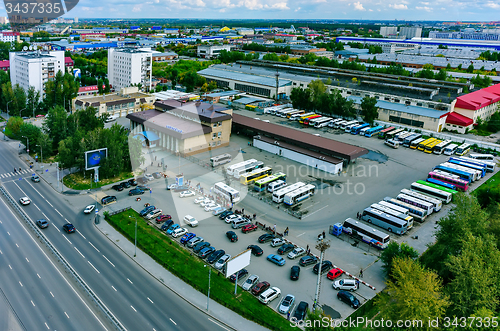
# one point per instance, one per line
(250, 165)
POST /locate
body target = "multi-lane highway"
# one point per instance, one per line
(135, 298)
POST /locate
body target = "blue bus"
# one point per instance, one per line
(356, 129)
(441, 183)
(469, 165)
(463, 175)
(370, 132)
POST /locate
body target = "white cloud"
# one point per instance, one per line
(359, 6)
(137, 8)
(298, 9)
(493, 5)
(428, 9)
(399, 6)
(279, 5)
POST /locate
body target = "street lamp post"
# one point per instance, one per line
(8, 106)
(322, 246)
(41, 154)
(208, 295)
(135, 243)
(20, 112)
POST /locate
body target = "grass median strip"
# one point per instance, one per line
(191, 270)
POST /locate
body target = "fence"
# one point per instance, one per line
(111, 213)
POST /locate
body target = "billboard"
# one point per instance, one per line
(238, 262)
(93, 158)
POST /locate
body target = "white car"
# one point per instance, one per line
(188, 219)
(205, 202)
(179, 232)
(222, 261)
(298, 251)
(186, 194)
(25, 201)
(232, 217)
(218, 211)
(250, 282)
(211, 207)
(286, 304)
(149, 176)
(345, 284)
(277, 242)
(89, 209)
(172, 186)
(269, 295)
(199, 199)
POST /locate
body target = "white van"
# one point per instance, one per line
(269, 295)
(392, 143)
(345, 284)
(153, 214)
(188, 219)
(239, 222)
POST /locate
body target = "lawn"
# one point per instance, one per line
(77, 182)
(191, 270)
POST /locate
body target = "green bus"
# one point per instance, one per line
(439, 187)
(261, 184)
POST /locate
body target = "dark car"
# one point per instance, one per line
(163, 218)
(199, 246)
(117, 188)
(215, 256)
(108, 199)
(166, 225)
(156, 175)
(135, 191)
(248, 228)
(69, 228)
(206, 252)
(132, 182)
(260, 288)
(348, 298)
(42, 224)
(295, 272)
(238, 275)
(308, 260)
(232, 236)
(225, 214)
(327, 265)
(266, 237)
(188, 236)
(256, 250)
(285, 249)
(142, 187)
(142, 180)
(181, 189)
(146, 210)
(301, 311)
(125, 184)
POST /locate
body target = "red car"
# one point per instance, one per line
(163, 218)
(334, 273)
(40, 116)
(249, 228)
(260, 288)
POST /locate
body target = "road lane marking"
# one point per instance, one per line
(48, 219)
(52, 206)
(314, 212)
(114, 288)
(21, 284)
(39, 276)
(109, 261)
(211, 320)
(8, 233)
(79, 252)
(51, 294)
(10, 267)
(57, 211)
(68, 240)
(66, 220)
(57, 229)
(32, 303)
(133, 308)
(94, 247)
(82, 235)
(27, 259)
(93, 267)
(47, 326)
(150, 300)
(171, 320)
(16, 244)
(301, 234)
(66, 315)
(130, 281)
(36, 207)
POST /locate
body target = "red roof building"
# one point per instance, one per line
(69, 64)
(4, 65)
(458, 122)
(479, 104)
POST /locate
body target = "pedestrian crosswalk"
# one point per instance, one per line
(17, 173)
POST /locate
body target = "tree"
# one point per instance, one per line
(413, 294)
(107, 87)
(31, 132)
(369, 109)
(441, 75)
(32, 100)
(14, 125)
(317, 88)
(393, 251)
(20, 100)
(56, 125)
(100, 88)
(212, 85)
(470, 69)
(271, 57)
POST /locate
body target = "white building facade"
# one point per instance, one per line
(127, 66)
(35, 68)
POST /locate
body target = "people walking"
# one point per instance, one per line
(323, 234)
(286, 231)
(254, 216)
(361, 273)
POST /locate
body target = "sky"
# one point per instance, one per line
(442, 10)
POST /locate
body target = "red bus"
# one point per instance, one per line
(381, 134)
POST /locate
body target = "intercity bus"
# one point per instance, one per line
(261, 184)
(460, 184)
(392, 212)
(407, 141)
(279, 195)
(323, 122)
(490, 166)
(385, 221)
(368, 234)
(303, 118)
(299, 194)
(482, 157)
(429, 184)
(280, 112)
(430, 146)
(463, 149)
(220, 159)
(357, 129)
(450, 149)
(295, 112)
(337, 124)
(310, 118)
(394, 207)
(439, 148)
(348, 123)
(274, 186)
(418, 213)
(439, 192)
(227, 192)
(251, 177)
(286, 112)
(230, 170)
(476, 174)
(247, 168)
(482, 169)
(373, 131)
(381, 134)
(402, 135)
(334, 122)
(416, 202)
(363, 130)
(438, 204)
(393, 133)
(440, 183)
(298, 117)
(414, 144)
(348, 128)
(421, 146)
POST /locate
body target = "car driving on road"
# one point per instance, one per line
(42, 224)
(25, 201)
(69, 228)
(89, 209)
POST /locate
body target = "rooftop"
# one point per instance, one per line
(194, 110)
(458, 119)
(479, 99)
(229, 72)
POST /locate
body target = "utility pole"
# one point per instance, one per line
(322, 246)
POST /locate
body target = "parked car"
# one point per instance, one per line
(205, 202)
(190, 220)
(171, 186)
(153, 214)
(146, 210)
(266, 237)
(307, 260)
(192, 242)
(298, 251)
(69, 228)
(222, 261)
(260, 287)
(148, 177)
(348, 298)
(212, 207)
(187, 194)
(108, 199)
(218, 211)
(126, 184)
(232, 236)
(277, 242)
(172, 228)
(256, 250)
(269, 295)
(130, 182)
(35, 178)
(179, 232)
(25, 201)
(42, 224)
(215, 256)
(250, 282)
(89, 209)
(181, 188)
(238, 275)
(157, 175)
(166, 225)
(142, 187)
(276, 259)
(142, 180)
(199, 199)
(206, 252)
(135, 191)
(334, 273)
(285, 249)
(327, 265)
(286, 304)
(301, 311)
(188, 236)
(163, 218)
(231, 217)
(345, 284)
(295, 272)
(225, 214)
(118, 188)
(249, 228)
(199, 246)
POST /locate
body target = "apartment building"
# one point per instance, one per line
(128, 66)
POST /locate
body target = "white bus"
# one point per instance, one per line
(296, 118)
(439, 148)
(343, 126)
(482, 157)
(429, 207)
(476, 174)
(402, 135)
(367, 233)
(279, 195)
(348, 127)
(385, 221)
(463, 149)
(339, 123)
(418, 213)
(392, 212)
(334, 122)
(294, 112)
(284, 110)
(394, 207)
(231, 168)
(299, 194)
(220, 159)
(490, 166)
(450, 149)
(324, 122)
(247, 168)
(274, 186)
(315, 120)
(227, 192)
(438, 204)
(444, 196)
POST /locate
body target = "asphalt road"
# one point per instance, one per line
(136, 299)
